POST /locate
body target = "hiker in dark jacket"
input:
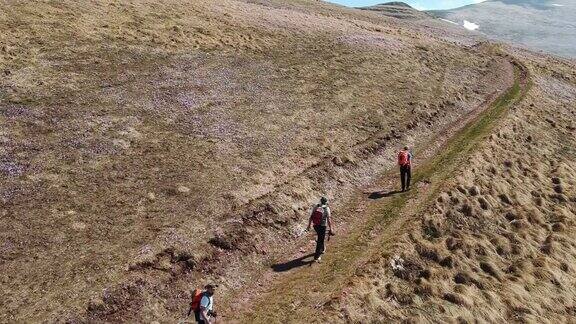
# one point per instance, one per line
(405, 163)
(320, 218)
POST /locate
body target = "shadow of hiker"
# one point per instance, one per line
(380, 194)
(282, 267)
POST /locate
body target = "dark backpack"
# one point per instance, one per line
(318, 215)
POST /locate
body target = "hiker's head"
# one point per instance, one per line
(406, 148)
(210, 289)
(323, 200)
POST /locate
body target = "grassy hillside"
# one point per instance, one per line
(486, 236)
(150, 147)
(398, 10)
(496, 245)
(353, 254)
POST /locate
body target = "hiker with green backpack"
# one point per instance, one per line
(320, 219)
(202, 305)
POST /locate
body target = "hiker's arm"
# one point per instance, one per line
(309, 221)
(204, 314)
(329, 219)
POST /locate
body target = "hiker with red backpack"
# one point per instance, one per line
(405, 163)
(202, 305)
(320, 218)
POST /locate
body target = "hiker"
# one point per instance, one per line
(202, 305)
(405, 163)
(320, 217)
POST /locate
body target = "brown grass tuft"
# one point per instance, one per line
(491, 269)
(457, 299)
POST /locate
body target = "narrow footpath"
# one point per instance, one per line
(293, 290)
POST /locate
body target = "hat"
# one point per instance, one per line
(210, 286)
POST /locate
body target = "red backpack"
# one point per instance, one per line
(318, 215)
(403, 158)
(196, 298)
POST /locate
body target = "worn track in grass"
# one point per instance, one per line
(297, 296)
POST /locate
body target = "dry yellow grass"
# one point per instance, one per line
(383, 221)
(496, 245)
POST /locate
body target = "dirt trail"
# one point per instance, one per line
(294, 289)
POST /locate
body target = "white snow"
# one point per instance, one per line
(470, 25)
(557, 5)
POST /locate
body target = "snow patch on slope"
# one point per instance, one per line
(470, 25)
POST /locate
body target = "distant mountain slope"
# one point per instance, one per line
(546, 25)
(397, 10)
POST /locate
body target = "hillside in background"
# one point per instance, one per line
(399, 10)
(546, 25)
(150, 147)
